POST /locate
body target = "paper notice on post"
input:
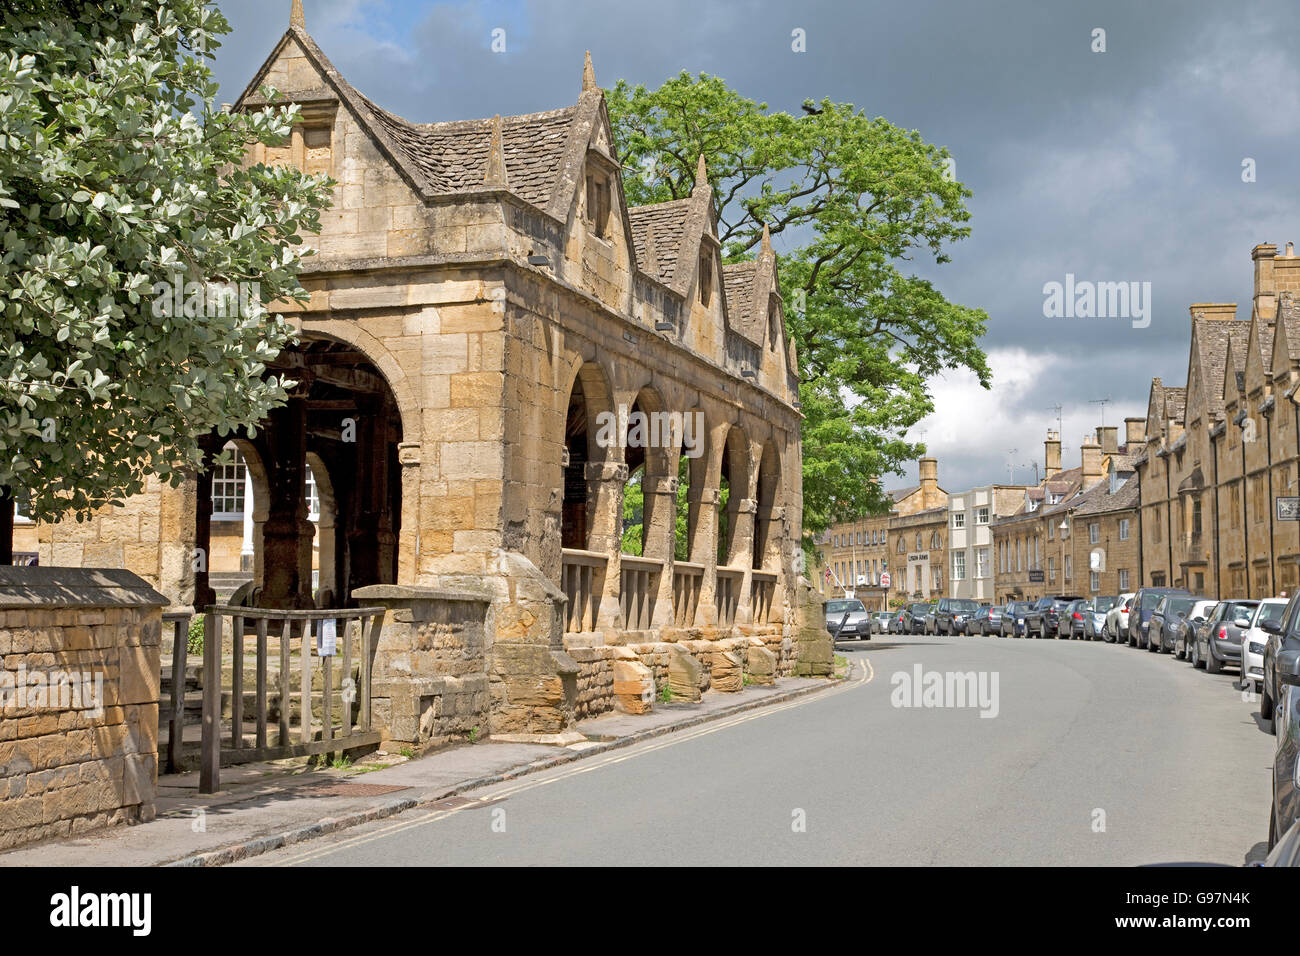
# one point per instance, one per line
(327, 638)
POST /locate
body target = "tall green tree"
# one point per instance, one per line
(856, 200)
(121, 178)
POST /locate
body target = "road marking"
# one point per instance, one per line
(585, 766)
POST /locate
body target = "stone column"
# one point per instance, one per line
(408, 551)
(605, 481)
(742, 540)
(660, 524)
(704, 548)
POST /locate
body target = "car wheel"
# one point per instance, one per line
(1212, 664)
(1265, 703)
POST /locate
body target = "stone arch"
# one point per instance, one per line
(254, 520)
(650, 444)
(587, 451)
(768, 516)
(733, 489)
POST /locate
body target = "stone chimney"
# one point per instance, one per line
(929, 471)
(1218, 311)
(1135, 433)
(1108, 439)
(1265, 285)
(1090, 453)
(1052, 454)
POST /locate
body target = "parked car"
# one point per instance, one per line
(1283, 641)
(1286, 723)
(1013, 619)
(985, 621)
(1094, 619)
(1071, 623)
(880, 622)
(1253, 640)
(1185, 630)
(950, 616)
(897, 617)
(1286, 851)
(1171, 610)
(1042, 619)
(1139, 616)
(848, 618)
(914, 618)
(1218, 642)
(1117, 620)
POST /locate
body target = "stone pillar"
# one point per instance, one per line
(704, 548)
(287, 534)
(605, 481)
(408, 552)
(742, 543)
(660, 524)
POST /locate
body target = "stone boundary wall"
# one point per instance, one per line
(78, 742)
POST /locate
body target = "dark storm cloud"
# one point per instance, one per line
(1115, 166)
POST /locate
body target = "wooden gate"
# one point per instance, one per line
(303, 635)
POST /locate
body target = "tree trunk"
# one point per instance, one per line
(6, 527)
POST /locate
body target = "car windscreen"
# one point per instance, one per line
(1179, 606)
(1103, 603)
(1270, 612)
(839, 607)
(1150, 599)
(963, 605)
(1231, 610)
(919, 608)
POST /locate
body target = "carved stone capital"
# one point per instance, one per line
(661, 485)
(607, 471)
(747, 506)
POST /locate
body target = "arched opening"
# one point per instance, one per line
(586, 441)
(649, 443)
(322, 486)
(732, 490)
(767, 544)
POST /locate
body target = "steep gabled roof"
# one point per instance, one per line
(1175, 402)
(1211, 338)
(1099, 500)
(1288, 315)
(666, 221)
(441, 159)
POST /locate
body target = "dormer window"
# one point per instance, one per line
(598, 203)
(706, 278)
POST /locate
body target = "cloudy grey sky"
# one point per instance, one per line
(1117, 166)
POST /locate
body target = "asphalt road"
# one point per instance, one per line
(1098, 755)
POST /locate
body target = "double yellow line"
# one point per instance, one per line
(496, 794)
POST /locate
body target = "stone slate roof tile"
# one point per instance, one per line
(1288, 312)
(668, 219)
(453, 156)
(1099, 500)
(1212, 339)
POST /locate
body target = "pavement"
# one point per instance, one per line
(1094, 754)
(268, 806)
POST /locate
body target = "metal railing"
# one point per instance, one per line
(360, 624)
(583, 575)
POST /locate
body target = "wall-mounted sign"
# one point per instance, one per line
(1036, 577)
(1288, 509)
(1097, 560)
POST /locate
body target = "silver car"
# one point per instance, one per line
(848, 618)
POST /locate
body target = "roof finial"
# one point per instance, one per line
(765, 246)
(588, 74)
(296, 19)
(496, 163)
(701, 173)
